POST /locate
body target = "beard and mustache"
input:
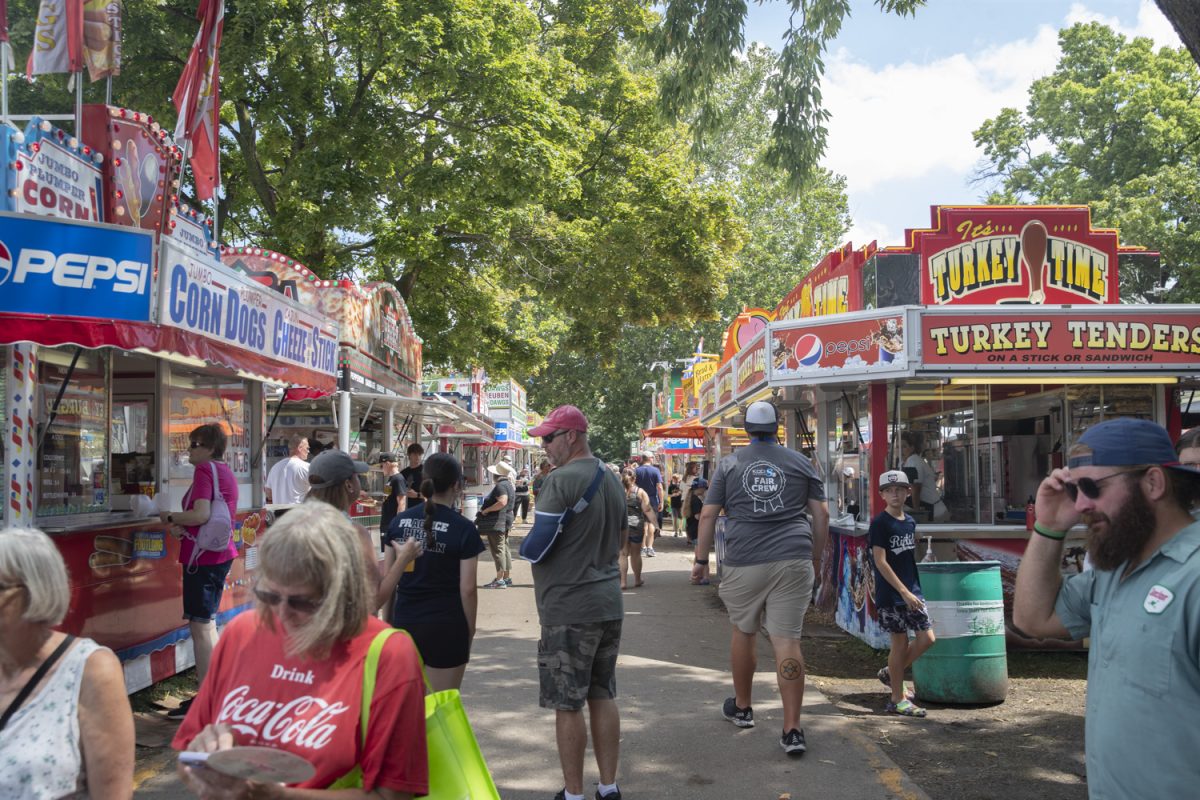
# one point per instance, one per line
(1127, 532)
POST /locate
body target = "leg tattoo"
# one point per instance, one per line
(790, 669)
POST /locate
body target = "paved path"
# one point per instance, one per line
(671, 679)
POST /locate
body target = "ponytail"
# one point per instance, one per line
(427, 493)
(439, 473)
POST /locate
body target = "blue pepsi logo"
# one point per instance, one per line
(808, 350)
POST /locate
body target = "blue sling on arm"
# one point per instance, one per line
(546, 526)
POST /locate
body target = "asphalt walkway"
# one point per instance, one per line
(672, 677)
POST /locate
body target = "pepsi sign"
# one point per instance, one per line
(74, 269)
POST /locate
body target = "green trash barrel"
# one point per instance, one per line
(968, 662)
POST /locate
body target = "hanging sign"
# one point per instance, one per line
(74, 269)
(210, 299)
(1036, 255)
(57, 176)
(1163, 337)
(820, 350)
(751, 367)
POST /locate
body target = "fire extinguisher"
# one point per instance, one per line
(1030, 514)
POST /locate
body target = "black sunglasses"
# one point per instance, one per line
(550, 437)
(298, 603)
(1091, 488)
(194, 445)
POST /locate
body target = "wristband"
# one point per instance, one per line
(703, 563)
(1057, 536)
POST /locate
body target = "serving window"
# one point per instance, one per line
(846, 458)
(991, 444)
(195, 399)
(72, 457)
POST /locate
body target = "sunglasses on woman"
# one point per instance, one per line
(296, 602)
(1091, 488)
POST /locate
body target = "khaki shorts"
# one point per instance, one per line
(775, 595)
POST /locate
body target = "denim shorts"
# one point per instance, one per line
(902, 619)
(202, 591)
(577, 663)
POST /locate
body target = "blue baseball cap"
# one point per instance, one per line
(1128, 442)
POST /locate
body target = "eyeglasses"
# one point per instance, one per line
(4, 587)
(1091, 488)
(296, 602)
(194, 445)
(550, 437)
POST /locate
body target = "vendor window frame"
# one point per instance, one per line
(73, 453)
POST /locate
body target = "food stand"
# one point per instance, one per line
(116, 340)
(994, 367)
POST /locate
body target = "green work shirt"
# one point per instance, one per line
(1141, 733)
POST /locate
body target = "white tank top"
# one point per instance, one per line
(40, 756)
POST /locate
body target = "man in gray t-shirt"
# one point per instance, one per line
(772, 554)
(578, 591)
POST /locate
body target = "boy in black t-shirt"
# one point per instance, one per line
(898, 600)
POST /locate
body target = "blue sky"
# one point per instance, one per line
(907, 93)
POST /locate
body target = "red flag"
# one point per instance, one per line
(57, 38)
(197, 98)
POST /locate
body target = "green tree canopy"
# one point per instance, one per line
(1117, 127)
(504, 166)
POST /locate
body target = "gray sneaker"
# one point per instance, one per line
(792, 742)
(742, 717)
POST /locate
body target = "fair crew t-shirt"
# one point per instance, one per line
(764, 489)
(311, 707)
(899, 538)
(430, 593)
(579, 581)
(202, 489)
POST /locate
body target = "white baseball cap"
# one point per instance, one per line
(761, 417)
(893, 477)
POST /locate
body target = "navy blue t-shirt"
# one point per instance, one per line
(899, 538)
(430, 593)
(648, 479)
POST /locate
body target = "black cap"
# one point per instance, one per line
(391, 457)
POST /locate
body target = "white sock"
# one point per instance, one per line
(606, 789)
(568, 796)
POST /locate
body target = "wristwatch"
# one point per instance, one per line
(170, 518)
(702, 562)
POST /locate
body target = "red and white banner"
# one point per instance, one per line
(197, 98)
(57, 38)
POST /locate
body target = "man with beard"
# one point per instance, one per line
(1140, 604)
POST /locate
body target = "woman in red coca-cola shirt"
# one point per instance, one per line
(291, 675)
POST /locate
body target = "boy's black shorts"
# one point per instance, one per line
(902, 619)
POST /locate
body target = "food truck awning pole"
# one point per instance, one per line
(363, 421)
(270, 427)
(402, 432)
(58, 398)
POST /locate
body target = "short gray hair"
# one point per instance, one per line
(295, 440)
(315, 545)
(30, 558)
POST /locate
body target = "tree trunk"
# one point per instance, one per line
(1185, 16)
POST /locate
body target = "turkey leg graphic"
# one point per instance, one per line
(1033, 253)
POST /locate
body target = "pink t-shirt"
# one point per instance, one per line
(202, 489)
(312, 707)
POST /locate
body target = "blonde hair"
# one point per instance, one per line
(316, 546)
(29, 558)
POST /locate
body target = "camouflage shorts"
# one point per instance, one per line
(577, 663)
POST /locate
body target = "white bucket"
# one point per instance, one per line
(470, 506)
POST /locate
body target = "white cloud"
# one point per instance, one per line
(906, 120)
(910, 124)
